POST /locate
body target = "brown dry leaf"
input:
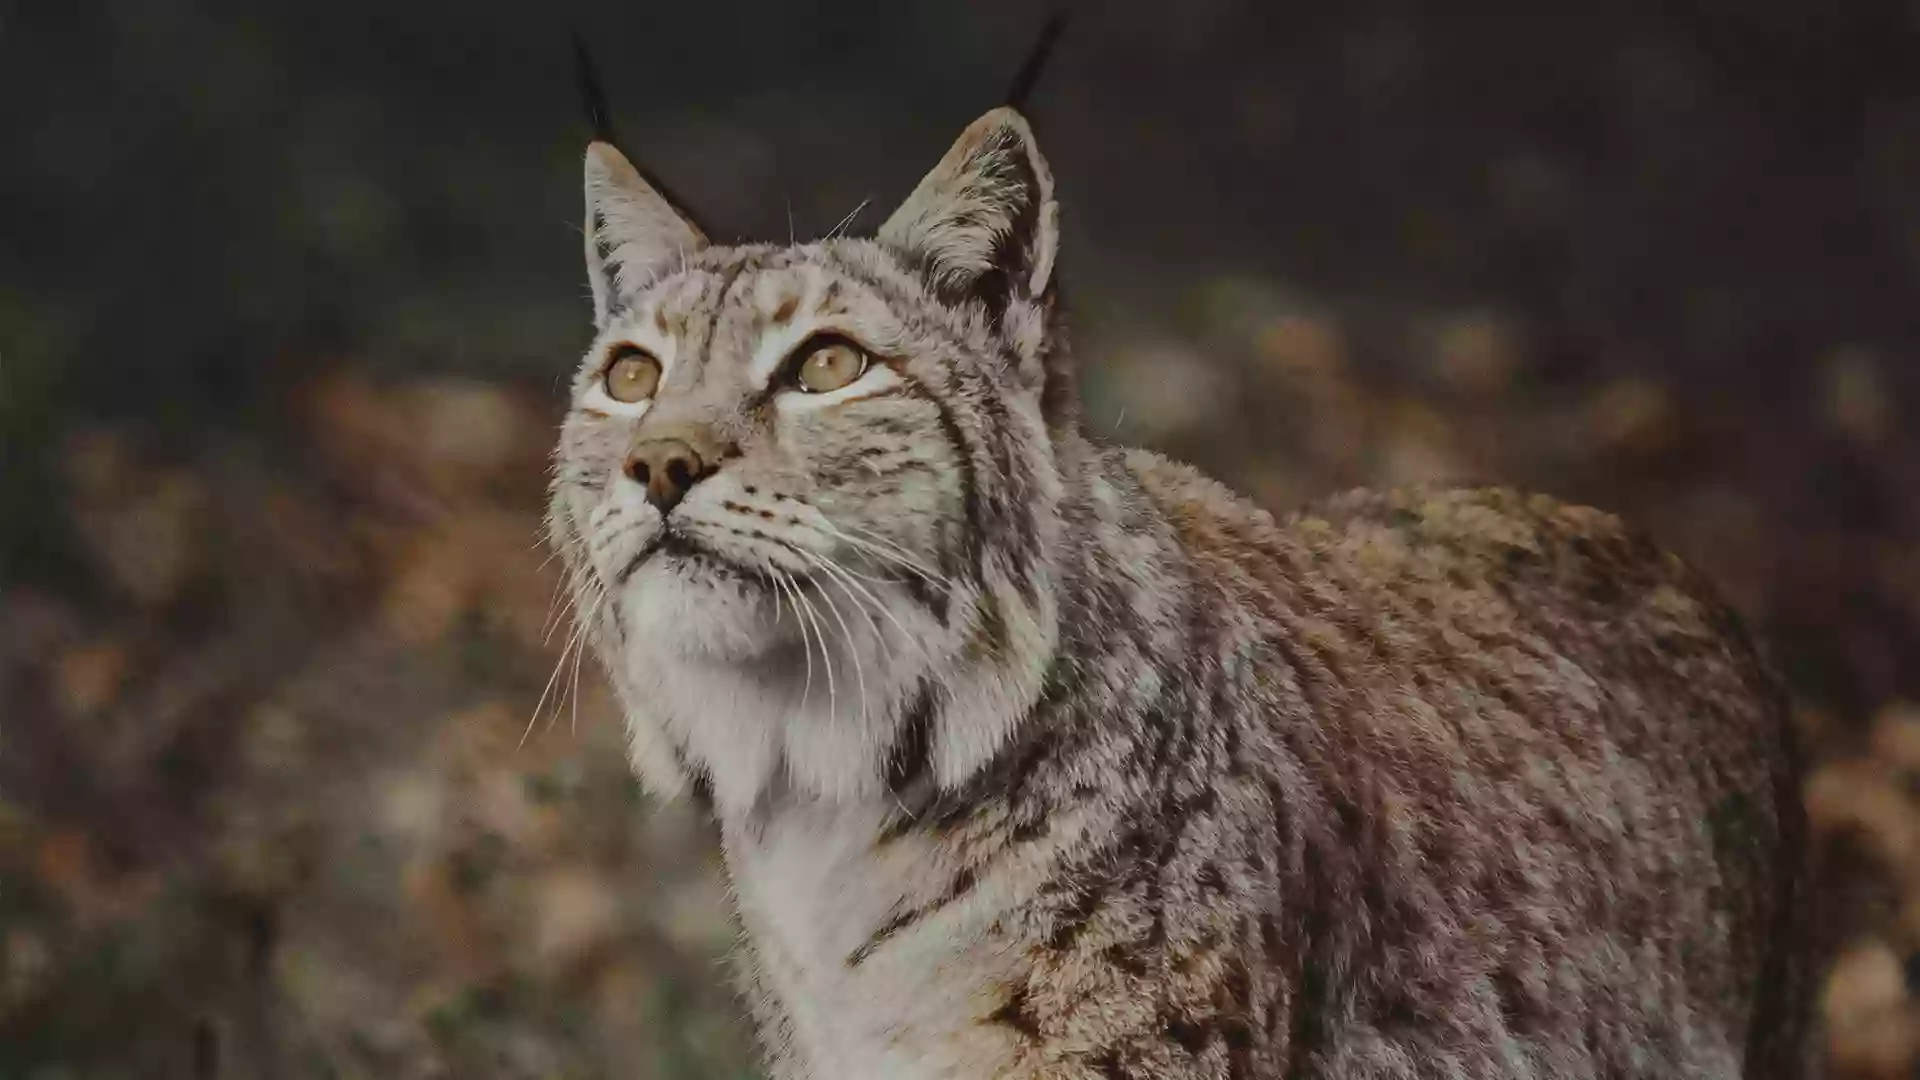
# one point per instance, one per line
(487, 753)
(306, 538)
(65, 862)
(464, 427)
(576, 918)
(1866, 979)
(142, 524)
(484, 737)
(354, 423)
(1896, 736)
(527, 608)
(1865, 799)
(1631, 415)
(366, 432)
(499, 802)
(1870, 1026)
(1476, 353)
(1418, 445)
(159, 547)
(620, 992)
(1300, 347)
(435, 583)
(445, 910)
(479, 559)
(1857, 401)
(411, 807)
(89, 677)
(513, 574)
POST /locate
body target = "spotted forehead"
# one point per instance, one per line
(767, 292)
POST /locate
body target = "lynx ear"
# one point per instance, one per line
(984, 223)
(632, 230)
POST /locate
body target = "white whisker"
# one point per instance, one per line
(573, 723)
(853, 650)
(572, 583)
(890, 544)
(863, 577)
(893, 555)
(573, 640)
(872, 603)
(826, 656)
(785, 582)
(557, 605)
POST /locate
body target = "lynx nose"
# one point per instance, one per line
(668, 469)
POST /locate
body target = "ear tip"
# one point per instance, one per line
(603, 159)
(1004, 116)
(1002, 123)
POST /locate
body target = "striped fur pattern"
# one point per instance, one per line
(1036, 758)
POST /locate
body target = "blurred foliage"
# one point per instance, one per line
(286, 295)
(271, 802)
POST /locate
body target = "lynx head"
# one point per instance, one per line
(807, 495)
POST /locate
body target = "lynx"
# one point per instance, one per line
(1037, 757)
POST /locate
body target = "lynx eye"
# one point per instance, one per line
(829, 366)
(632, 375)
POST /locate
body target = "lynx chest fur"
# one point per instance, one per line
(1036, 758)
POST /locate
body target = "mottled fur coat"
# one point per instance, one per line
(1037, 758)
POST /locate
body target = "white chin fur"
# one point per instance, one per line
(716, 667)
(691, 609)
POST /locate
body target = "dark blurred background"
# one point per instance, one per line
(287, 293)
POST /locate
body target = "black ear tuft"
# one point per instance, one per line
(593, 98)
(592, 94)
(1036, 62)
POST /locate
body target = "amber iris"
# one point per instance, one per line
(830, 366)
(632, 375)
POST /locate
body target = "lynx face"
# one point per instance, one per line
(801, 487)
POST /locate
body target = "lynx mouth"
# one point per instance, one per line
(693, 558)
(647, 551)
